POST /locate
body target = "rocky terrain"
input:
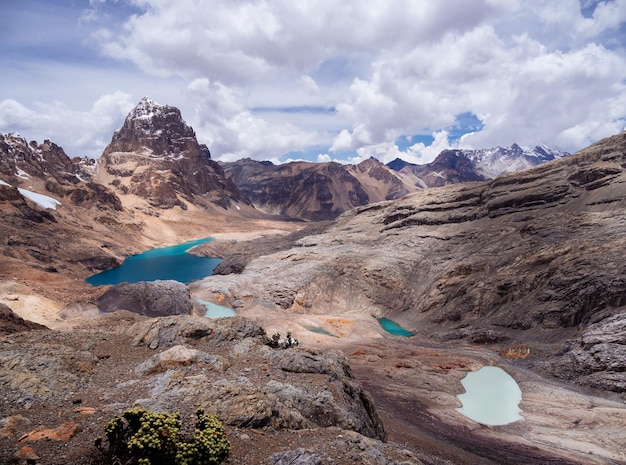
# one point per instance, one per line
(314, 191)
(524, 272)
(278, 405)
(531, 253)
(60, 222)
(527, 266)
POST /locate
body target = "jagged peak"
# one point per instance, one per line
(146, 108)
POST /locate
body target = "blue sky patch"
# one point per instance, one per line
(464, 123)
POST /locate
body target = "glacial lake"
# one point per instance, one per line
(394, 328)
(164, 263)
(491, 397)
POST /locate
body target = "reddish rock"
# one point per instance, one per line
(64, 432)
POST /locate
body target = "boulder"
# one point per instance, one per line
(157, 298)
(295, 457)
(179, 356)
(173, 330)
(169, 331)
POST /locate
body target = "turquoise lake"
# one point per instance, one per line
(394, 328)
(165, 263)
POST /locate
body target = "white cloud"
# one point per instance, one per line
(83, 131)
(522, 90)
(262, 78)
(232, 132)
(309, 85)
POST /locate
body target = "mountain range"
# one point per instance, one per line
(155, 156)
(453, 166)
(520, 269)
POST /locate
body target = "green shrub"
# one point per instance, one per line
(142, 437)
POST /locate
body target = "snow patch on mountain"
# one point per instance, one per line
(43, 201)
(497, 160)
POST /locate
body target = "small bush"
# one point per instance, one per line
(276, 342)
(142, 437)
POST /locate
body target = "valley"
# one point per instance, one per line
(524, 271)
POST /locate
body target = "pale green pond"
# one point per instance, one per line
(491, 397)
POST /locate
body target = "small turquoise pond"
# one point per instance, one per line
(165, 263)
(394, 328)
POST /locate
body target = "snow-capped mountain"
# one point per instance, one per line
(461, 165)
(497, 160)
(45, 175)
(155, 131)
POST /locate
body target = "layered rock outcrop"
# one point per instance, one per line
(598, 357)
(528, 258)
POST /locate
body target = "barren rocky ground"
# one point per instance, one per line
(59, 388)
(525, 272)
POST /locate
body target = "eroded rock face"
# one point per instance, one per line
(64, 178)
(315, 191)
(156, 298)
(598, 357)
(155, 155)
(528, 258)
(175, 330)
(297, 401)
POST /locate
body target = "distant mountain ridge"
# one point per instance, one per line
(462, 165)
(22, 159)
(48, 168)
(314, 191)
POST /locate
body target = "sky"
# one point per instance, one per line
(319, 80)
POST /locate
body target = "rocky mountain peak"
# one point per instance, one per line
(146, 108)
(156, 129)
(22, 159)
(155, 155)
(497, 160)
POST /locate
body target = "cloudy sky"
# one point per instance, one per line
(318, 79)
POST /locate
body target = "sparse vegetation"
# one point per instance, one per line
(142, 437)
(277, 342)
